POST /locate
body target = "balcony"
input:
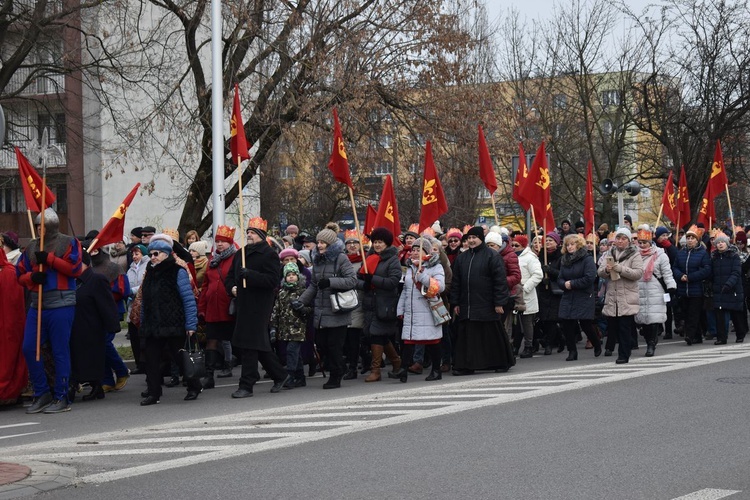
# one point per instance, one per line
(8, 158)
(49, 84)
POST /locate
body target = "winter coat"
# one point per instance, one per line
(255, 297)
(727, 280)
(653, 309)
(135, 276)
(414, 307)
(201, 265)
(358, 315)
(696, 264)
(549, 303)
(512, 269)
(622, 294)
(531, 276)
(381, 297)
(479, 284)
(334, 265)
(213, 301)
(580, 301)
(168, 308)
(290, 325)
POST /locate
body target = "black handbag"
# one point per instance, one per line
(193, 361)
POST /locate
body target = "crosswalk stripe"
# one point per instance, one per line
(18, 425)
(708, 494)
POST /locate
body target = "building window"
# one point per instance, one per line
(9, 200)
(413, 168)
(559, 101)
(61, 198)
(417, 140)
(287, 173)
(611, 98)
(319, 145)
(384, 168)
(55, 125)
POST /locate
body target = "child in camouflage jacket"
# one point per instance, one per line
(290, 325)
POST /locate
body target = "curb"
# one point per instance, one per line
(42, 477)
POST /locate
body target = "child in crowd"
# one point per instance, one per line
(289, 326)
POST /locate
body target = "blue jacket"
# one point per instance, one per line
(726, 277)
(696, 264)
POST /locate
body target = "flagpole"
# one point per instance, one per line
(359, 234)
(41, 267)
(92, 245)
(31, 224)
(731, 213)
(658, 217)
(242, 216)
(494, 209)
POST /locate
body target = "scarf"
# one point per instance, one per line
(648, 270)
(372, 262)
(354, 258)
(219, 256)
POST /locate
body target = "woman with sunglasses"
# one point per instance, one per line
(657, 281)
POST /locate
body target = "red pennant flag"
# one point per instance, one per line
(536, 190)
(668, 202)
(707, 211)
(486, 170)
(114, 229)
(370, 219)
(521, 175)
(237, 139)
(387, 215)
(588, 205)
(433, 198)
(338, 164)
(718, 179)
(683, 201)
(32, 185)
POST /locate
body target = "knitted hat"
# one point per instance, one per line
(721, 237)
(741, 238)
(522, 240)
(579, 223)
(225, 234)
(628, 219)
(10, 239)
(477, 231)
(288, 239)
(290, 267)
(554, 236)
(624, 231)
(327, 236)
(454, 232)
(426, 241)
(137, 232)
(495, 238)
(288, 252)
(200, 247)
(161, 242)
(382, 234)
(565, 221)
(305, 254)
(140, 248)
(659, 231)
(496, 229)
(291, 228)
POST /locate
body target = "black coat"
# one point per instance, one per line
(256, 297)
(580, 301)
(96, 315)
(549, 303)
(479, 284)
(381, 297)
(727, 280)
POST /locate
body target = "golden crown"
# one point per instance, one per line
(696, 231)
(716, 232)
(225, 232)
(644, 235)
(351, 234)
(414, 228)
(258, 223)
(429, 232)
(466, 228)
(172, 233)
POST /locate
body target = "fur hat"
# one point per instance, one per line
(554, 236)
(161, 242)
(493, 237)
(199, 246)
(288, 252)
(477, 231)
(382, 234)
(327, 236)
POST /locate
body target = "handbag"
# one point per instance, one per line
(193, 361)
(232, 306)
(440, 313)
(343, 302)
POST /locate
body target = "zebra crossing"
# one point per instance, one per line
(117, 455)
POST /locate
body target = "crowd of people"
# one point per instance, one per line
(456, 301)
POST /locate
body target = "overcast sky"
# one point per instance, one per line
(533, 9)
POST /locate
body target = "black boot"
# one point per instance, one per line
(334, 382)
(435, 374)
(527, 352)
(214, 360)
(572, 355)
(96, 393)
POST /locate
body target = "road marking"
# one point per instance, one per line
(24, 434)
(708, 494)
(356, 415)
(18, 425)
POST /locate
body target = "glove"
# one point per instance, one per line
(39, 277)
(297, 305)
(725, 289)
(41, 257)
(324, 283)
(671, 291)
(367, 278)
(245, 273)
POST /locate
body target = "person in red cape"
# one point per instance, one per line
(13, 373)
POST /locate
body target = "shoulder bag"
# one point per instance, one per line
(193, 361)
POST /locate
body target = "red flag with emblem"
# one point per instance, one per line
(668, 201)
(521, 175)
(114, 229)
(370, 219)
(486, 170)
(536, 190)
(237, 139)
(387, 215)
(433, 198)
(707, 211)
(683, 201)
(718, 179)
(338, 164)
(31, 183)
(588, 205)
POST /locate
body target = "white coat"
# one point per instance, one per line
(653, 309)
(531, 276)
(418, 322)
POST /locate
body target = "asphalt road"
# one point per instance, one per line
(673, 426)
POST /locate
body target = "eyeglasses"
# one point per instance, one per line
(453, 240)
(153, 254)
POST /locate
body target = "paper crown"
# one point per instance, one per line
(172, 233)
(644, 235)
(454, 232)
(737, 229)
(695, 231)
(717, 232)
(225, 233)
(414, 228)
(611, 236)
(466, 228)
(429, 232)
(351, 235)
(258, 223)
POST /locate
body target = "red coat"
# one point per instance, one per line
(213, 302)
(13, 375)
(512, 269)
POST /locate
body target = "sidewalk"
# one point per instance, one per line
(20, 480)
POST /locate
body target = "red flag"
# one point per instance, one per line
(683, 201)
(433, 198)
(718, 179)
(32, 185)
(707, 211)
(588, 205)
(338, 164)
(521, 175)
(486, 170)
(536, 190)
(370, 219)
(668, 202)
(114, 229)
(387, 215)
(237, 139)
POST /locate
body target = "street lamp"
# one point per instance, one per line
(608, 187)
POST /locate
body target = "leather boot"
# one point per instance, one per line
(226, 370)
(214, 359)
(390, 352)
(651, 344)
(377, 358)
